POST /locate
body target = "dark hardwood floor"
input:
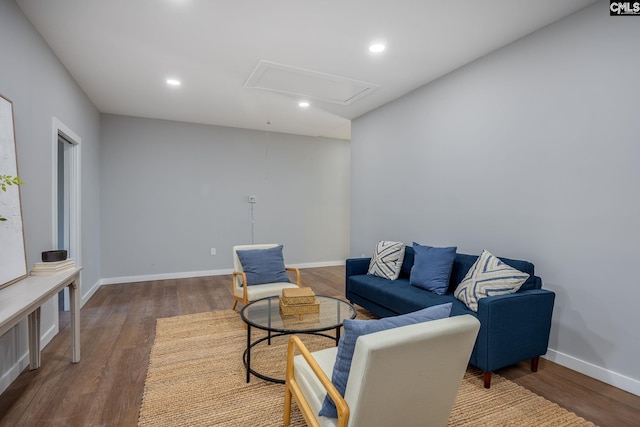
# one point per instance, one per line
(118, 326)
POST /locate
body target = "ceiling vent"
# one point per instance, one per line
(306, 83)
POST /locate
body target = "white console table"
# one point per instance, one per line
(24, 298)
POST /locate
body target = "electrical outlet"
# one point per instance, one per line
(213, 251)
(252, 199)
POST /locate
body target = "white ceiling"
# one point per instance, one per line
(121, 51)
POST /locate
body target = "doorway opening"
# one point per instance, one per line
(66, 195)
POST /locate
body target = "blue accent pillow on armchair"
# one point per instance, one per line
(354, 328)
(432, 268)
(263, 265)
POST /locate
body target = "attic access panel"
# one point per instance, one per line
(306, 83)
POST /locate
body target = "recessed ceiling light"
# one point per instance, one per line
(173, 82)
(376, 48)
(303, 104)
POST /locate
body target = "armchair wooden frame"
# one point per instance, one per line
(293, 389)
(245, 298)
(239, 279)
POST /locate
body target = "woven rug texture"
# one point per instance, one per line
(196, 378)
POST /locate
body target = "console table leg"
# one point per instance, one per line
(34, 339)
(74, 296)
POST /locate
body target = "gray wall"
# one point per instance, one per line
(41, 89)
(172, 191)
(530, 152)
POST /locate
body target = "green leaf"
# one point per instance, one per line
(8, 180)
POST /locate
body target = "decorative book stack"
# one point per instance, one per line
(297, 301)
(49, 268)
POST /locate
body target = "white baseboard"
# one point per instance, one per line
(606, 376)
(188, 274)
(22, 363)
(48, 335)
(164, 276)
(87, 296)
(317, 264)
(12, 373)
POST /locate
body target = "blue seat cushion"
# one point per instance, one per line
(400, 296)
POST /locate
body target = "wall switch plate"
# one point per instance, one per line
(213, 251)
(252, 199)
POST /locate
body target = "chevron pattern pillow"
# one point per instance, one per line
(488, 276)
(387, 260)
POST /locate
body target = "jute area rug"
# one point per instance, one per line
(196, 378)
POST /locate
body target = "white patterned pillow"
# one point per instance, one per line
(387, 260)
(488, 276)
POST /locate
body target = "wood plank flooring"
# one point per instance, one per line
(117, 330)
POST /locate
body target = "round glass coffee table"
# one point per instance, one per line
(265, 314)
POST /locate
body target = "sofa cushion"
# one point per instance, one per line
(387, 260)
(432, 267)
(488, 276)
(263, 265)
(354, 329)
(400, 298)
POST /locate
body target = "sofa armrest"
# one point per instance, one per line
(357, 266)
(515, 327)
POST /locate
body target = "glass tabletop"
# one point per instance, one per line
(265, 314)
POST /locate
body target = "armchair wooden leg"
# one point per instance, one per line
(487, 379)
(287, 406)
(534, 364)
(235, 302)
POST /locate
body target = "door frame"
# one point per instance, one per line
(60, 129)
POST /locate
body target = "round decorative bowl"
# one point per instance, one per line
(53, 256)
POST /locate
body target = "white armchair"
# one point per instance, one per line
(246, 293)
(406, 376)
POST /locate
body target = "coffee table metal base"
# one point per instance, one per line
(246, 357)
(265, 314)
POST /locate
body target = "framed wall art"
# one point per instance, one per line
(13, 257)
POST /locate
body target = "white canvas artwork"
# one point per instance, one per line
(13, 264)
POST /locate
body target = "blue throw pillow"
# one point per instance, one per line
(263, 265)
(432, 268)
(354, 328)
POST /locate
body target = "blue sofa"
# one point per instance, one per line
(514, 327)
